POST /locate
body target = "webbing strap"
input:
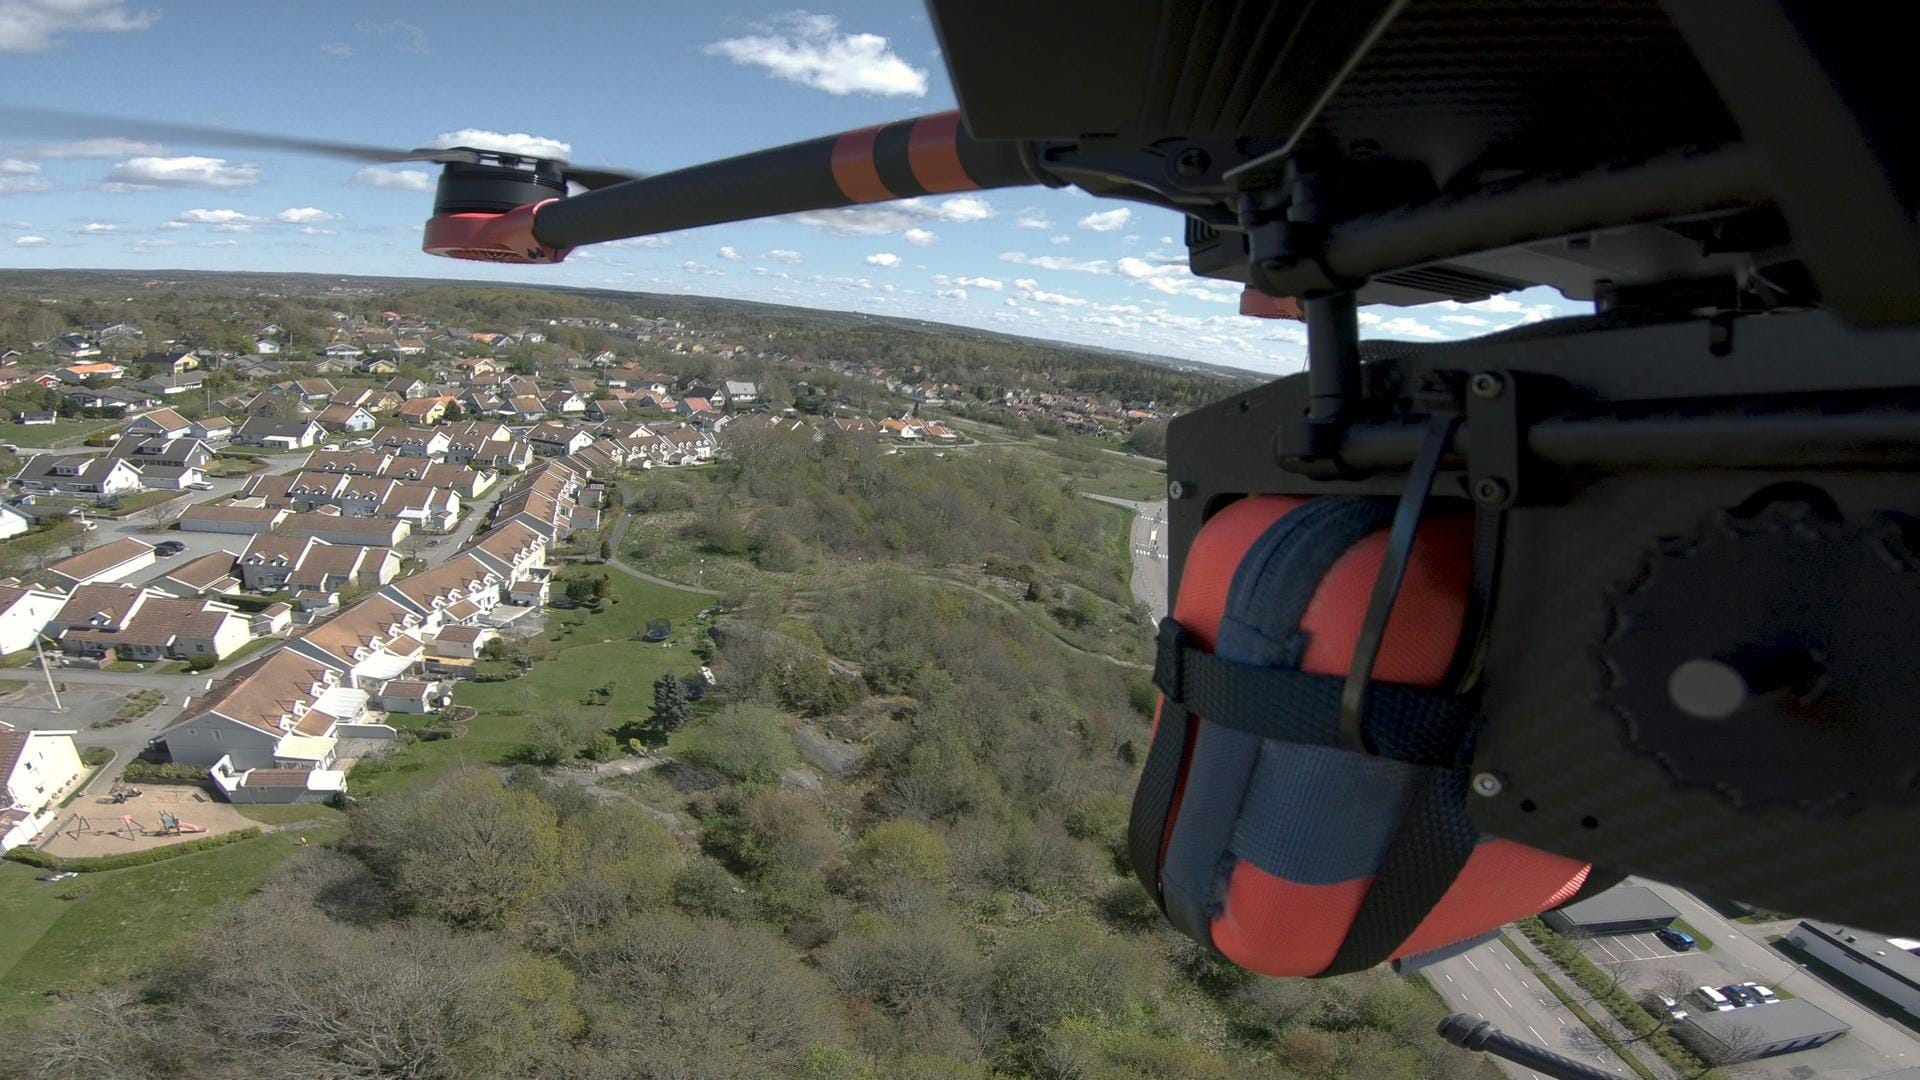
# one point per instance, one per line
(1153, 798)
(1404, 723)
(1434, 842)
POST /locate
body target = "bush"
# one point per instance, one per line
(603, 747)
(95, 755)
(202, 663)
(705, 888)
(164, 772)
(743, 742)
(132, 858)
(898, 852)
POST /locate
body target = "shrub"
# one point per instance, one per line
(132, 858)
(896, 852)
(743, 742)
(163, 772)
(202, 663)
(603, 747)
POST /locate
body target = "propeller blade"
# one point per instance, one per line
(593, 179)
(56, 123)
(932, 155)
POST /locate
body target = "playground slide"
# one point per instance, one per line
(188, 826)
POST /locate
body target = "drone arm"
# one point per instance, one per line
(932, 155)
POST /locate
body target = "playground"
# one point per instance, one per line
(161, 814)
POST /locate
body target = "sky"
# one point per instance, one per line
(643, 86)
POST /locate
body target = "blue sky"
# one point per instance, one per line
(648, 86)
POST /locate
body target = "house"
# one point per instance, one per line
(528, 592)
(94, 369)
(74, 346)
(406, 443)
(279, 561)
(172, 361)
(212, 429)
(408, 346)
(160, 423)
(146, 625)
(79, 474)
(108, 562)
(467, 641)
(1623, 909)
(463, 481)
(36, 768)
(343, 351)
(351, 418)
(1758, 1031)
(14, 521)
(554, 439)
(231, 517)
(409, 695)
(690, 406)
(273, 619)
(170, 384)
(407, 388)
(352, 395)
(337, 529)
(208, 575)
(379, 365)
(274, 434)
(110, 399)
(476, 365)
(37, 416)
(738, 393)
(349, 462)
(524, 407)
(24, 612)
(900, 429)
(282, 711)
(425, 411)
(1889, 967)
(142, 451)
(565, 403)
(265, 346)
(854, 425)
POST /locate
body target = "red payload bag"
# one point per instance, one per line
(1262, 831)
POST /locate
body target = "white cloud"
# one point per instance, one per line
(97, 228)
(1058, 262)
(1057, 299)
(919, 237)
(515, 142)
(964, 208)
(987, 283)
(952, 294)
(304, 215)
(147, 173)
(19, 177)
(1407, 327)
(1107, 220)
(1030, 218)
(1063, 238)
(144, 245)
(31, 241)
(640, 242)
(883, 258)
(313, 230)
(93, 148)
(1466, 320)
(728, 253)
(17, 167)
(339, 50)
(215, 217)
(809, 50)
(784, 255)
(36, 25)
(396, 179)
(702, 269)
(219, 243)
(1024, 283)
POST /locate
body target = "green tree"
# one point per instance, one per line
(743, 742)
(898, 851)
(671, 706)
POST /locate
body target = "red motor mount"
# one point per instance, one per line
(490, 237)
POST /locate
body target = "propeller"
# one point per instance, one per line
(58, 123)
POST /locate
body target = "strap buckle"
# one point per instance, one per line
(1169, 661)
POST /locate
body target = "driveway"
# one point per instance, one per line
(85, 702)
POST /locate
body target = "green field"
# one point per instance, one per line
(125, 921)
(599, 652)
(58, 433)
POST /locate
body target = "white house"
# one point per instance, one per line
(37, 767)
(78, 474)
(278, 434)
(13, 521)
(24, 612)
(108, 562)
(465, 641)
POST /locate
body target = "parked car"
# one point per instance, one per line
(1713, 999)
(9, 448)
(1764, 993)
(201, 485)
(1740, 995)
(87, 526)
(169, 547)
(1677, 940)
(1670, 1008)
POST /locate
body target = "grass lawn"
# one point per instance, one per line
(1704, 942)
(58, 433)
(233, 466)
(124, 923)
(17, 659)
(600, 652)
(257, 645)
(295, 814)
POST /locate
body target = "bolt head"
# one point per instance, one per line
(1179, 489)
(1486, 384)
(1487, 784)
(1490, 491)
(1192, 162)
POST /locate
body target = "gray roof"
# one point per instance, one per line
(1870, 948)
(41, 467)
(262, 426)
(1624, 903)
(1784, 1021)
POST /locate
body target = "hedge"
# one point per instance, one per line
(45, 861)
(1632, 1015)
(160, 772)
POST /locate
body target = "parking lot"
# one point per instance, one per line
(1631, 949)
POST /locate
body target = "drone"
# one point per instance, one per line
(1669, 551)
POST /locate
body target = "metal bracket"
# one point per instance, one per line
(1494, 440)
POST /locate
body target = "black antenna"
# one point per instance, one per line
(1472, 1033)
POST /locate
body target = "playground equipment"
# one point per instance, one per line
(171, 825)
(121, 792)
(132, 828)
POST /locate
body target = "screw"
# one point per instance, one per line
(1487, 784)
(1192, 162)
(1487, 385)
(1491, 491)
(1179, 489)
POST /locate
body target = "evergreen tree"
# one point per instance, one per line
(671, 706)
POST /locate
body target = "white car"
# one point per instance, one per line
(1671, 1008)
(201, 485)
(88, 526)
(1713, 999)
(1767, 996)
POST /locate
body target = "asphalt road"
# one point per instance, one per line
(1491, 983)
(1149, 543)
